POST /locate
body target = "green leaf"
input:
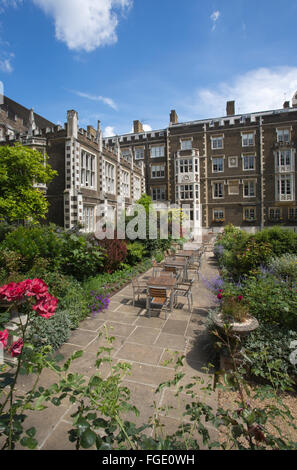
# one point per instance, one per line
(88, 439)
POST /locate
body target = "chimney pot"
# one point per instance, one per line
(173, 117)
(137, 127)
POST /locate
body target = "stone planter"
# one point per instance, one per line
(237, 329)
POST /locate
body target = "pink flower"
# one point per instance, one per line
(239, 298)
(4, 337)
(36, 288)
(12, 291)
(46, 306)
(220, 290)
(16, 348)
(219, 296)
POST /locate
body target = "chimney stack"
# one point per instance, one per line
(72, 123)
(92, 131)
(173, 117)
(230, 108)
(137, 127)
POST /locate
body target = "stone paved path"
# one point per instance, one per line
(145, 343)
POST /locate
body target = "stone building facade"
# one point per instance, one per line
(93, 180)
(238, 169)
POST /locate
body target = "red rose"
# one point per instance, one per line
(12, 291)
(239, 298)
(46, 306)
(36, 288)
(16, 348)
(3, 337)
(219, 296)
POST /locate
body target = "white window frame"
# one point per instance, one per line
(110, 177)
(280, 134)
(137, 187)
(186, 192)
(213, 164)
(285, 166)
(89, 218)
(158, 171)
(285, 195)
(249, 210)
(141, 150)
(157, 151)
(248, 183)
(186, 144)
(248, 139)
(215, 140)
(125, 183)
(216, 185)
(185, 165)
(162, 191)
(88, 163)
(249, 157)
(218, 214)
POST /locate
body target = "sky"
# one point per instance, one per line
(121, 60)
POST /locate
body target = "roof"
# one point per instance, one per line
(16, 109)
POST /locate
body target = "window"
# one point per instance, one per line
(87, 169)
(249, 213)
(126, 154)
(157, 152)
(217, 142)
(274, 213)
(186, 166)
(186, 144)
(158, 194)
(218, 190)
(249, 162)
(158, 171)
(283, 135)
(217, 165)
(284, 160)
(285, 188)
(196, 191)
(292, 213)
(233, 187)
(248, 139)
(249, 189)
(89, 218)
(109, 178)
(139, 153)
(186, 191)
(218, 215)
(125, 183)
(137, 187)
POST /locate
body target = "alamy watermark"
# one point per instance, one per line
(293, 355)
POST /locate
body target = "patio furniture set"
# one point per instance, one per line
(170, 280)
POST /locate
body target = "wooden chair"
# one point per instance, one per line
(138, 289)
(158, 296)
(194, 266)
(184, 289)
(157, 266)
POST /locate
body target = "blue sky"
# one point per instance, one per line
(121, 60)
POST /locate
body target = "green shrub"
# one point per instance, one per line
(281, 240)
(34, 242)
(267, 352)
(79, 256)
(285, 266)
(271, 300)
(54, 331)
(135, 253)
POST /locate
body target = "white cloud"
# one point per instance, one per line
(5, 62)
(109, 131)
(147, 128)
(85, 24)
(214, 18)
(257, 90)
(108, 101)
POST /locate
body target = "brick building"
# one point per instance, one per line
(92, 180)
(238, 169)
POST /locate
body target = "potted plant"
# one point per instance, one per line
(234, 322)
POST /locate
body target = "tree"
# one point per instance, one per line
(20, 169)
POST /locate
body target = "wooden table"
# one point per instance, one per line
(180, 262)
(186, 253)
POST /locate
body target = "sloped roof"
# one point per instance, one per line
(14, 109)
